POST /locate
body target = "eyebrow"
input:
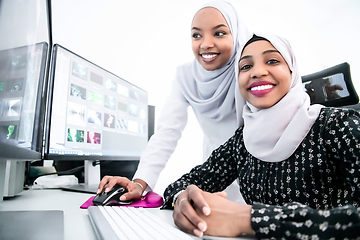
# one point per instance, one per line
(216, 27)
(265, 52)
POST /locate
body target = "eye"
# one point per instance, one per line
(196, 35)
(219, 34)
(272, 61)
(245, 67)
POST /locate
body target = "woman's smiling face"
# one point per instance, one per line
(264, 76)
(212, 42)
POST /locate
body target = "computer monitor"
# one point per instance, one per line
(22, 72)
(92, 113)
(331, 87)
(24, 55)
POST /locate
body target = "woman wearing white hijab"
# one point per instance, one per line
(207, 84)
(298, 165)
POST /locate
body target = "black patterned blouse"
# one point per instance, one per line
(315, 194)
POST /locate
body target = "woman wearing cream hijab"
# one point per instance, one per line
(298, 165)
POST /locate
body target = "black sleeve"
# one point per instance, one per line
(214, 175)
(343, 141)
(298, 221)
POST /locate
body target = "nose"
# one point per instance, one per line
(259, 70)
(207, 42)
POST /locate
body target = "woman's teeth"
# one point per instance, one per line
(209, 56)
(262, 87)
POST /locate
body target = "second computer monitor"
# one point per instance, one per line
(93, 114)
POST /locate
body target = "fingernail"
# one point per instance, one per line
(198, 233)
(122, 198)
(202, 226)
(206, 211)
(107, 189)
(98, 191)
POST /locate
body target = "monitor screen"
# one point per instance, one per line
(331, 87)
(93, 114)
(22, 72)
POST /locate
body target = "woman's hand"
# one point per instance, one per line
(135, 189)
(227, 218)
(184, 213)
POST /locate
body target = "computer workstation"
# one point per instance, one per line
(82, 131)
(96, 228)
(77, 132)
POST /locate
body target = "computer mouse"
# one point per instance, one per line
(111, 198)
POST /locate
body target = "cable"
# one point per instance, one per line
(76, 169)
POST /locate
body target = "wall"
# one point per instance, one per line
(22, 23)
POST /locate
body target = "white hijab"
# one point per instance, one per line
(212, 93)
(273, 134)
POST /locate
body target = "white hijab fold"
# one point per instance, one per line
(273, 134)
(212, 93)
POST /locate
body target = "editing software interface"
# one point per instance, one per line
(21, 78)
(94, 112)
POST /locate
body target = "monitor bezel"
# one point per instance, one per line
(14, 152)
(40, 107)
(73, 157)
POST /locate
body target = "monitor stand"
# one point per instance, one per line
(14, 178)
(92, 179)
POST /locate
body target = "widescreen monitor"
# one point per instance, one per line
(92, 113)
(22, 72)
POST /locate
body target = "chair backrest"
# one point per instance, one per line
(331, 87)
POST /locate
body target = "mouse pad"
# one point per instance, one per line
(150, 200)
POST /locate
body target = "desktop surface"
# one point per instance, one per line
(77, 224)
(76, 221)
(31, 225)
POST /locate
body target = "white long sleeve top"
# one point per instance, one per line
(170, 125)
(213, 96)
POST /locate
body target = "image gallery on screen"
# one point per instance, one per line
(98, 103)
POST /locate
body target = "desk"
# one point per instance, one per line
(77, 224)
(76, 221)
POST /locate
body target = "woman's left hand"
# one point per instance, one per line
(227, 218)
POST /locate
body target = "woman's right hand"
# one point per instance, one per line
(135, 189)
(185, 217)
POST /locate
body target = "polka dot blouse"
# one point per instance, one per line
(314, 194)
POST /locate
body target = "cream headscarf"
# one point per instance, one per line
(273, 134)
(212, 93)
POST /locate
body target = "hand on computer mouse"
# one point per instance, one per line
(134, 189)
(111, 198)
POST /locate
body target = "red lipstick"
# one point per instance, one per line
(260, 89)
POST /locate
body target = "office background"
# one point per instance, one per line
(144, 41)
